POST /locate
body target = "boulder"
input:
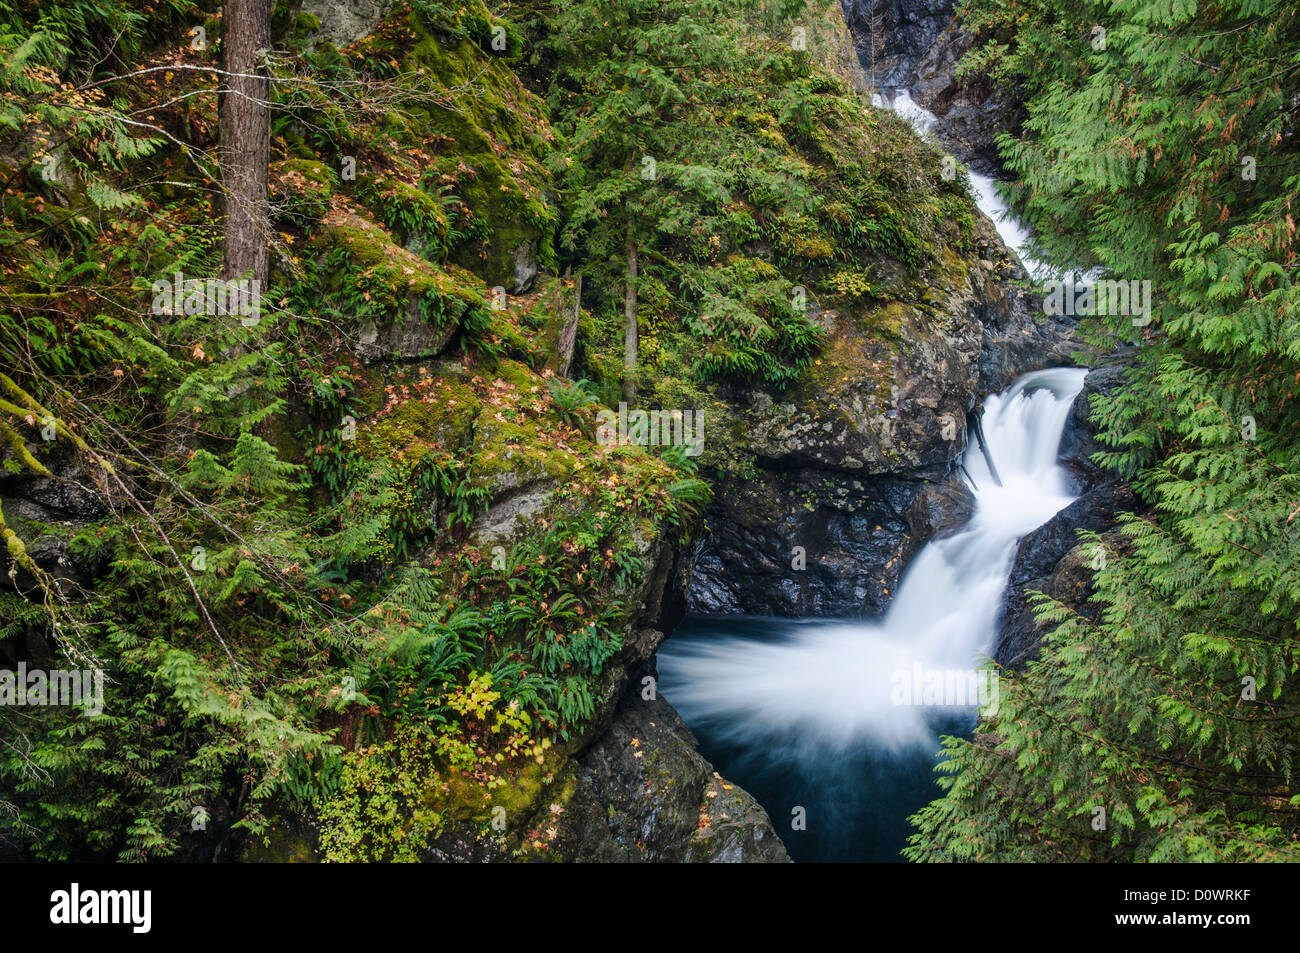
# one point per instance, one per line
(643, 793)
(404, 338)
(345, 21)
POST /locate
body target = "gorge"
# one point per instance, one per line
(816, 704)
(643, 435)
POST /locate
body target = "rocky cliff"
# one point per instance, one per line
(855, 469)
(916, 45)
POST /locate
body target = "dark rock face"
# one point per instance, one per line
(1050, 559)
(1019, 337)
(1068, 580)
(941, 509)
(1079, 441)
(45, 512)
(810, 543)
(916, 45)
(643, 793)
(893, 36)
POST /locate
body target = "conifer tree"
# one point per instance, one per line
(630, 82)
(246, 138)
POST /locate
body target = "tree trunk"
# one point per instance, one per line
(569, 332)
(629, 326)
(245, 118)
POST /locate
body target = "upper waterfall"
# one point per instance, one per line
(986, 197)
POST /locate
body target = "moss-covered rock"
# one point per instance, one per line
(643, 793)
(300, 191)
(405, 307)
(341, 22)
(846, 457)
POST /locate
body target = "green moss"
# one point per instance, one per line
(417, 219)
(497, 137)
(379, 280)
(516, 452)
(888, 321)
(441, 422)
(285, 843)
(466, 798)
(300, 191)
(799, 237)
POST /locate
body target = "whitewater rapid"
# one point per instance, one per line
(822, 685)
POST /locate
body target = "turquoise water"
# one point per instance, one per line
(857, 796)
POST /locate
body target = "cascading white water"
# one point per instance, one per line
(823, 685)
(986, 197)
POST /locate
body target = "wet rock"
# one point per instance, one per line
(940, 509)
(853, 538)
(46, 512)
(1068, 580)
(891, 37)
(1078, 440)
(1017, 335)
(916, 46)
(643, 793)
(1018, 338)
(1051, 560)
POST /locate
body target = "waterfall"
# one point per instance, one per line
(986, 197)
(811, 698)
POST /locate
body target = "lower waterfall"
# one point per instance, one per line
(840, 719)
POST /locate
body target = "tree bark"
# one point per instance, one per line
(569, 332)
(245, 119)
(629, 322)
